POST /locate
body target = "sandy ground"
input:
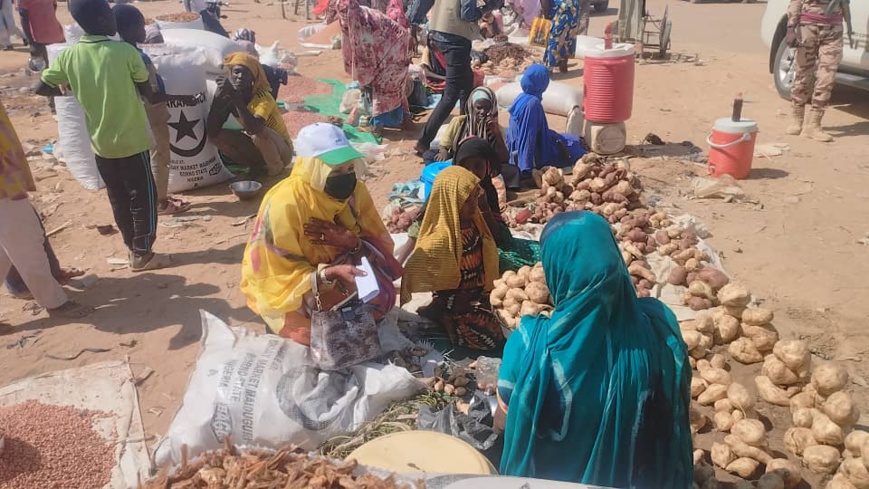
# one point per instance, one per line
(796, 247)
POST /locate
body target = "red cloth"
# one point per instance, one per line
(811, 18)
(43, 20)
(321, 7)
(479, 77)
(395, 11)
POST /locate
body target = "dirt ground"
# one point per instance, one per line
(796, 247)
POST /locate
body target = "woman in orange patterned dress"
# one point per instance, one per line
(456, 258)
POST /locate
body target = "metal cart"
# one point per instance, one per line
(650, 34)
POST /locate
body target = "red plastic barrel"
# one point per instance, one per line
(731, 147)
(608, 84)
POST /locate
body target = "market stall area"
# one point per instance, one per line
(175, 383)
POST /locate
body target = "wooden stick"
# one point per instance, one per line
(58, 229)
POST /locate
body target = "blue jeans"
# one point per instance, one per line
(15, 284)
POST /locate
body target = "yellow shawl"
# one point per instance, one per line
(436, 260)
(260, 81)
(279, 258)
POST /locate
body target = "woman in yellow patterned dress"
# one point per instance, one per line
(456, 258)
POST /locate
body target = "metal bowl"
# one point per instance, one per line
(245, 189)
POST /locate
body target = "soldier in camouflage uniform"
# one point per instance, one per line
(815, 30)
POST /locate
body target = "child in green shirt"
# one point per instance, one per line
(107, 77)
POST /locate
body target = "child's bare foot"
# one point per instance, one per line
(420, 149)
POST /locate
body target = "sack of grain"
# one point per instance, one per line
(214, 46)
(194, 161)
(180, 20)
(559, 98)
(261, 390)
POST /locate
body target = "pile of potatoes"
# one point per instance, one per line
(823, 416)
(610, 190)
(521, 293)
(733, 330)
(454, 385)
(746, 451)
(613, 191)
(720, 327)
(725, 328)
(784, 372)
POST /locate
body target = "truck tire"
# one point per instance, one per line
(783, 69)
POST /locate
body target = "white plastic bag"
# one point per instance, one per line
(194, 160)
(575, 122)
(262, 391)
(269, 56)
(350, 100)
(72, 33)
(558, 99)
(73, 138)
(309, 30)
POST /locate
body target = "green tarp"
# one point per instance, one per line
(329, 105)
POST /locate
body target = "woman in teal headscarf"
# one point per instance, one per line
(598, 393)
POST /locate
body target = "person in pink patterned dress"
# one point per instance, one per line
(376, 56)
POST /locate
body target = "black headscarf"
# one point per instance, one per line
(474, 146)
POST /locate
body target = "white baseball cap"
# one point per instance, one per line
(326, 142)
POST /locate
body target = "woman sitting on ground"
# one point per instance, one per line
(529, 140)
(598, 393)
(264, 143)
(477, 155)
(456, 258)
(316, 225)
(376, 55)
(482, 122)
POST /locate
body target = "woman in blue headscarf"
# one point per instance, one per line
(529, 140)
(599, 393)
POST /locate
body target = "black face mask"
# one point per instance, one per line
(341, 187)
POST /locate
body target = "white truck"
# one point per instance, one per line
(854, 69)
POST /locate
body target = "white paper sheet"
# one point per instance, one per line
(366, 286)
